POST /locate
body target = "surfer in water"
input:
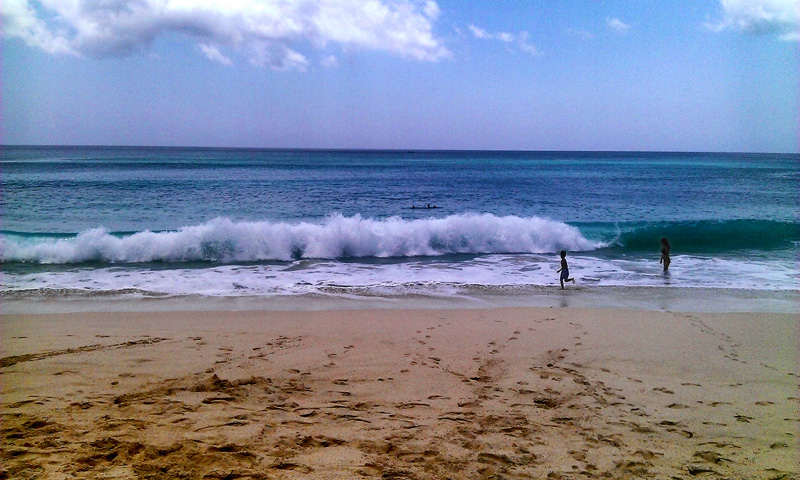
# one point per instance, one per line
(564, 270)
(665, 253)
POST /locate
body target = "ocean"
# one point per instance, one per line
(299, 228)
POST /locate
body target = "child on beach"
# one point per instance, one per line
(564, 270)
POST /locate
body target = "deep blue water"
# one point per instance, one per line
(73, 218)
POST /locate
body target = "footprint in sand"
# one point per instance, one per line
(495, 459)
(291, 466)
(372, 470)
(711, 457)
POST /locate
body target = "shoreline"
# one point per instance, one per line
(533, 392)
(648, 298)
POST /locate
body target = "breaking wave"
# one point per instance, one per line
(336, 237)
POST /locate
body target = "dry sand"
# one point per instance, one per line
(400, 394)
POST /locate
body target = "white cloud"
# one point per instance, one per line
(213, 53)
(330, 62)
(761, 17)
(520, 39)
(431, 10)
(276, 55)
(267, 32)
(19, 19)
(505, 37)
(480, 33)
(618, 25)
(522, 43)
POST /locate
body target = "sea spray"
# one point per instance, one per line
(224, 240)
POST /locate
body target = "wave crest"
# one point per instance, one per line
(710, 236)
(223, 240)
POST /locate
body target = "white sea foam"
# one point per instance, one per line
(429, 277)
(223, 240)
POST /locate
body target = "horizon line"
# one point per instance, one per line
(390, 150)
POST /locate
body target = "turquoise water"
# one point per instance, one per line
(229, 222)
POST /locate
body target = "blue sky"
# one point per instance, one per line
(402, 74)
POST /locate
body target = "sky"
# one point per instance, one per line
(715, 75)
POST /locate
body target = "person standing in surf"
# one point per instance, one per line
(665, 253)
(564, 270)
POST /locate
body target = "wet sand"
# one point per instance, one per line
(400, 394)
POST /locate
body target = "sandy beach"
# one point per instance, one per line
(400, 394)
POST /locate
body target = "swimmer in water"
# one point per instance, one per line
(665, 253)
